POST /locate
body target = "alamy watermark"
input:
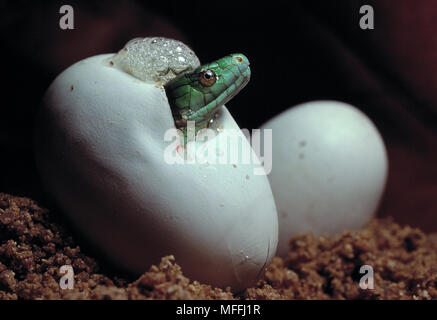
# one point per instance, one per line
(367, 20)
(226, 146)
(367, 280)
(67, 20)
(67, 280)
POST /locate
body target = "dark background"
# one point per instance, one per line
(299, 50)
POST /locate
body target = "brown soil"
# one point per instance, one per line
(33, 247)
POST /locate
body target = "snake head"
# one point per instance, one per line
(198, 95)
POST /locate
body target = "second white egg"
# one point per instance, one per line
(329, 169)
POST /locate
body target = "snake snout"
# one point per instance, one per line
(240, 58)
(242, 63)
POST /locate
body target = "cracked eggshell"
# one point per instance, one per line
(100, 152)
(329, 169)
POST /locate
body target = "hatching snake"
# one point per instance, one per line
(198, 95)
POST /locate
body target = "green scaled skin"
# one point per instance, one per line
(192, 97)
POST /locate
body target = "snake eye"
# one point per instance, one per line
(207, 77)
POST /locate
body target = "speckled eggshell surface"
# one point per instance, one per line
(329, 169)
(100, 152)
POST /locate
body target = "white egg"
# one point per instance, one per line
(329, 169)
(100, 151)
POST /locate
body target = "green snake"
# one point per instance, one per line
(198, 95)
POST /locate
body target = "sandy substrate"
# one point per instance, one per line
(33, 247)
